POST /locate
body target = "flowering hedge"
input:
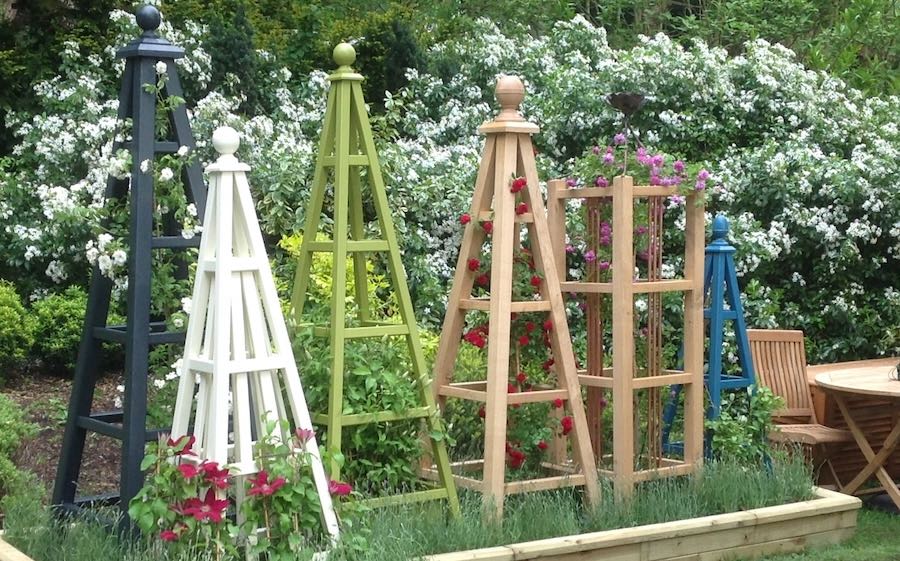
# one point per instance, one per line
(804, 165)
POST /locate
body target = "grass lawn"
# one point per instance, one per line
(877, 538)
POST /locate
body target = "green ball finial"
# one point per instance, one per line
(344, 54)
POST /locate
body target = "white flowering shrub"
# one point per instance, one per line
(804, 166)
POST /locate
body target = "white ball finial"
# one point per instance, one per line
(226, 140)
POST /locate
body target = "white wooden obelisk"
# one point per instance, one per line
(237, 341)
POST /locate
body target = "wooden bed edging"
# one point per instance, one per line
(829, 518)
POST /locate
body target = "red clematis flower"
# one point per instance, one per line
(521, 208)
(473, 264)
(488, 226)
(339, 488)
(210, 508)
(567, 424)
(465, 219)
(216, 476)
(518, 184)
(182, 445)
(188, 471)
(260, 485)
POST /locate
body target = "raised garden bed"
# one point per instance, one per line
(829, 518)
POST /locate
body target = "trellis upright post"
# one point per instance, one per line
(138, 102)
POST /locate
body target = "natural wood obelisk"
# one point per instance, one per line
(508, 154)
(237, 340)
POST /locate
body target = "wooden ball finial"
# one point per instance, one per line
(509, 92)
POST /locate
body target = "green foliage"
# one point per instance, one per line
(741, 432)
(14, 430)
(16, 327)
(412, 531)
(59, 322)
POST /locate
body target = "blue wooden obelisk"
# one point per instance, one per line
(723, 303)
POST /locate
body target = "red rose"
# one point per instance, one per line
(535, 281)
(542, 445)
(483, 280)
(465, 219)
(518, 184)
(521, 208)
(482, 412)
(523, 340)
(475, 338)
(529, 326)
(548, 325)
(488, 226)
(511, 388)
(521, 377)
(473, 264)
(548, 363)
(567, 424)
(558, 402)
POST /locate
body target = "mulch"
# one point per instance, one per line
(45, 398)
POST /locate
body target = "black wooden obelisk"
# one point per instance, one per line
(138, 102)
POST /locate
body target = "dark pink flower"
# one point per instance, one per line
(210, 508)
(260, 485)
(339, 488)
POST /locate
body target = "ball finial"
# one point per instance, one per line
(226, 140)
(720, 227)
(509, 92)
(344, 54)
(148, 18)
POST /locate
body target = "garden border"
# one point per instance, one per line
(827, 519)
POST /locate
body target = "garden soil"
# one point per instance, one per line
(45, 398)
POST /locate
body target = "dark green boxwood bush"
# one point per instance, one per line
(14, 430)
(16, 328)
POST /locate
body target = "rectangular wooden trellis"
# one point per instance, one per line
(508, 154)
(347, 150)
(621, 377)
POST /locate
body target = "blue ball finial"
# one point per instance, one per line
(720, 227)
(148, 18)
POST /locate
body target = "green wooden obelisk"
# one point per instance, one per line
(346, 153)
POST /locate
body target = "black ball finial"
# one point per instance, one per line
(148, 18)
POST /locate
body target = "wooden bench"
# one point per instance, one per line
(779, 358)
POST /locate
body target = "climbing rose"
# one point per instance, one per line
(521, 208)
(542, 445)
(567, 424)
(473, 264)
(339, 488)
(475, 338)
(488, 226)
(515, 458)
(521, 377)
(518, 184)
(558, 402)
(482, 412)
(511, 388)
(529, 326)
(548, 325)
(483, 280)
(535, 281)
(465, 219)
(523, 340)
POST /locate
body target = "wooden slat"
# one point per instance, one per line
(639, 191)
(453, 390)
(484, 304)
(524, 218)
(539, 396)
(544, 483)
(641, 287)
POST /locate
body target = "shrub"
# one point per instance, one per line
(59, 322)
(14, 429)
(16, 327)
